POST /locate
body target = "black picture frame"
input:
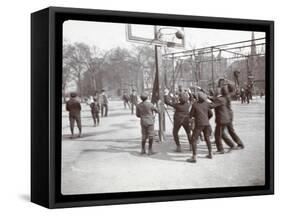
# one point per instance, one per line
(46, 71)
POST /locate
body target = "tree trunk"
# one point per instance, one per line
(63, 92)
(140, 81)
(94, 83)
(80, 85)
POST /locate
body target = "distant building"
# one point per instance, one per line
(251, 69)
(196, 71)
(204, 69)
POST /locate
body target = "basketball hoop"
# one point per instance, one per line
(169, 33)
(171, 44)
(161, 37)
(169, 36)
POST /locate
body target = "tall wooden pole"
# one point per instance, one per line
(174, 81)
(249, 73)
(213, 79)
(160, 105)
(161, 75)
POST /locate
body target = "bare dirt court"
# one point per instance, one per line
(107, 158)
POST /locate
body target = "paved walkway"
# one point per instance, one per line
(107, 159)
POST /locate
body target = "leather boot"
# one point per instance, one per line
(192, 159)
(143, 147)
(194, 152)
(150, 142)
(178, 149)
(80, 131)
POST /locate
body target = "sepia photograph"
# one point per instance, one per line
(151, 108)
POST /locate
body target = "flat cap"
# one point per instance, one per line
(144, 96)
(202, 96)
(73, 94)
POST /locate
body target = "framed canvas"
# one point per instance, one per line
(134, 107)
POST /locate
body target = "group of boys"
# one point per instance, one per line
(188, 108)
(130, 100)
(197, 107)
(245, 95)
(98, 104)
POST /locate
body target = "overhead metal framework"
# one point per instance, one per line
(221, 47)
(246, 49)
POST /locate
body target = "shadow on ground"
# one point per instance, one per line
(92, 134)
(165, 151)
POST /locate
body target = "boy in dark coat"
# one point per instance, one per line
(243, 95)
(133, 100)
(223, 119)
(104, 103)
(144, 111)
(181, 118)
(126, 99)
(74, 108)
(202, 113)
(95, 109)
(230, 127)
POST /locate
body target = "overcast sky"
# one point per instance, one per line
(109, 35)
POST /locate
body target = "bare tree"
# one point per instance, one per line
(118, 68)
(143, 57)
(74, 59)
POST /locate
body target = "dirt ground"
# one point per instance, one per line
(107, 158)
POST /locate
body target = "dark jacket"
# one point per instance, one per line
(126, 98)
(184, 95)
(134, 99)
(202, 113)
(103, 99)
(181, 109)
(221, 110)
(73, 107)
(95, 107)
(145, 112)
(228, 105)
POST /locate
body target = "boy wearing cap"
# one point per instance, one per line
(103, 103)
(230, 127)
(181, 117)
(95, 109)
(144, 111)
(133, 100)
(126, 99)
(74, 108)
(202, 113)
(223, 119)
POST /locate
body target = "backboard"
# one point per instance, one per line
(169, 36)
